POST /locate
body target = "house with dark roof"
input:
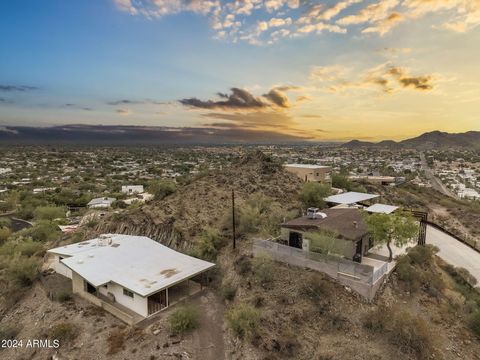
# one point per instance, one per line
(345, 225)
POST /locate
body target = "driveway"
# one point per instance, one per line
(454, 252)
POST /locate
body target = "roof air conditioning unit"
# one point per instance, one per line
(312, 213)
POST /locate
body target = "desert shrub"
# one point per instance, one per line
(162, 188)
(42, 231)
(416, 270)
(229, 291)
(49, 213)
(8, 332)
(313, 193)
(243, 265)
(210, 243)
(317, 289)
(461, 275)
(26, 247)
(411, 333)
(183, 319)
(22, 271)
(63, 296)
(5, 233)
(474, 323)
(256, 214)
(407, 331)
(243, 320)
(115, 341)
(422, 255)
(263, 269)
(63, 332)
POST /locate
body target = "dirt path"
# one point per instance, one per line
(208, 339)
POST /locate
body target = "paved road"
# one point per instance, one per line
(455, 252)
(436, 182)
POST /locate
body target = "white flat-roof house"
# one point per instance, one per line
(308, 172)
(101, 203)
(133, 277)
(132, 189)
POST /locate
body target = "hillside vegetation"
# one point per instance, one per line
(256, 308)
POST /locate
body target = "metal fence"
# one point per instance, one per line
(331, 265)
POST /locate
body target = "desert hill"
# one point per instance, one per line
(434, 139)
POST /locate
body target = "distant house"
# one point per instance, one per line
(307, 172)
(132, 189)
(101, 203)
(347, 225)
(133, 277)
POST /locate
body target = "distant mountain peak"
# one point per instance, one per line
(431, 139)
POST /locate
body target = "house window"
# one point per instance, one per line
(127, 293)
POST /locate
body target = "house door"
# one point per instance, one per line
(357, 257)
(89, 288)
(295, 240)
(157, 302)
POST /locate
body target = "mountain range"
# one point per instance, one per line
(152, 135)
(428, 140)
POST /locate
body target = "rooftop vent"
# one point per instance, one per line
(104, 240)
(313, 213)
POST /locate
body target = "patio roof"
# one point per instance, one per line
(381, 208)
(350, 197)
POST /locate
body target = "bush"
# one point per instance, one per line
(416, 270)
(63, 332)
(24, 247)
(162, 188)
(183, 319)
(23, 271)
(317, 289)
(43, 231)
(229, 291)
(5, 233)
(409, 332)
(210, 243)
(244, 320)
(8, 332)
(474, 323)
(49, 213)
(243, 265)
(63, 296)
(263, 269)
(313, 193)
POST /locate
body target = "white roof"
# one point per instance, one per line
(137, 263)
(381, 208)
(351, 197)
(102, 200)
(306, 166)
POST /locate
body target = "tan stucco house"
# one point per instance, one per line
(307, 172)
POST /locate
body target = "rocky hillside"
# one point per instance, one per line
(206, 202)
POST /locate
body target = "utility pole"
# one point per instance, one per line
(233, 217)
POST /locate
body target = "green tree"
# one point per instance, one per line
(313, 194)
(162, 188)
(399, 228)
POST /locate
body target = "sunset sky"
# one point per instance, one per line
(286, 69)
